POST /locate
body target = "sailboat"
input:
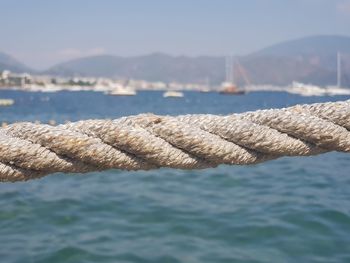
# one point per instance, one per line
(173, 94)
(229, 87)
(121, 90)
(313, 90)
(338, 89)
(338, 70)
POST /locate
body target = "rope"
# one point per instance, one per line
(147, 141)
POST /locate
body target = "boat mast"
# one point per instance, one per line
(338, 70)
(229, 69)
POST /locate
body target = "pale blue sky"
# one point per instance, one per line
(43, 32)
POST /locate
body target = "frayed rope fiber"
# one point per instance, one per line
(147, 141)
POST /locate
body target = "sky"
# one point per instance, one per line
(41, 33)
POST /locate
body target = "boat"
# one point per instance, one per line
(173, 94)
(313, 90)
(229, 87)
(306, 90)
(120, 90)
(338, 89)
(205, 90)
(50, 88)
(6, 102)
(334, 91)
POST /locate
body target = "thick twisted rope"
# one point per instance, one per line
(148, 141)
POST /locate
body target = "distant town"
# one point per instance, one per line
(307, 66)
(127, 87)
(29, 82)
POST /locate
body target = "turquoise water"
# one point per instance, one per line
(286, 210)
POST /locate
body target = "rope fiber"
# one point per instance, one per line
(148, 141)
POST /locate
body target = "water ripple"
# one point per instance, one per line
(286, 210)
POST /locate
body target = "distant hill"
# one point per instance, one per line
(314, 45)
(310, 59)
(316, 50)
(9, 63)
(153, 67)
(282, 71)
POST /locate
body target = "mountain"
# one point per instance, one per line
(9, 63)
(317, 50)
(153, 67)
(282, 71)
(311, 60)
(314, 45)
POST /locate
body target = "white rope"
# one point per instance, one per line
(147, 141)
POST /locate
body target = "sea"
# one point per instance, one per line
(293, 209)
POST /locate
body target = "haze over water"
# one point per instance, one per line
(286, 210)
